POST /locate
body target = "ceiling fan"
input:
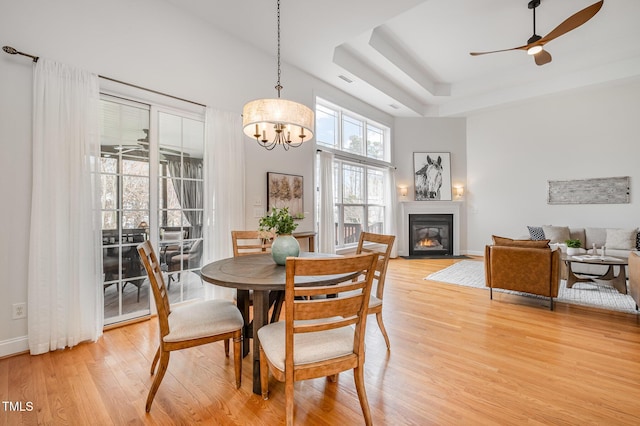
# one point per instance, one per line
(143, 145)
(535, 43)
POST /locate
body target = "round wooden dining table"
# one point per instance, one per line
(261, 274)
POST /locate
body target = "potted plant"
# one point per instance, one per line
(280, 222)
(573, 246)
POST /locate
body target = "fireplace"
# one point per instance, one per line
(430, 235)
(408, 208)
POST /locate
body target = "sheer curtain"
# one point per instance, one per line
(190, 195)
(326, 221)
(64, 282)
(225, 189)
(390, 211)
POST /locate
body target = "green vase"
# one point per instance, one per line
(284, 246)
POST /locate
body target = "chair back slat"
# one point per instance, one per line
(343, 306)
(157, 283)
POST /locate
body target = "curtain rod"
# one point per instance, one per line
(11, 51)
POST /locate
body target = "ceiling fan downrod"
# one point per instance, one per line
(532, 5)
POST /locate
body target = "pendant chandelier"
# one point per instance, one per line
(277, 121)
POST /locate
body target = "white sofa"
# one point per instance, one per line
(618, 242)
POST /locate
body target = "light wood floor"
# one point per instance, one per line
(457, 358)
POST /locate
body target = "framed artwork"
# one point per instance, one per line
(432, 174)
(285, 190)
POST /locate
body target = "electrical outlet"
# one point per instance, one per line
(19, 310)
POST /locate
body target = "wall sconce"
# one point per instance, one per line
(403, 191)
(459, 191)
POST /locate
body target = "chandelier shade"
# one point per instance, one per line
(278, 121)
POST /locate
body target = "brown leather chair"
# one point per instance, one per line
(634, 277)
(526, 269)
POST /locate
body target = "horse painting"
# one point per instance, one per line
(429, 180)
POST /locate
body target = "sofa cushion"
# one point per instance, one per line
(503, 241)
(624, 239)
(536, 233)
(597, 236)
(556, 234)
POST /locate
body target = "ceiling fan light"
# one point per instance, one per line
(533, 50)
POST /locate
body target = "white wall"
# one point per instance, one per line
(144, 42)
(431, 135)
(512, 152)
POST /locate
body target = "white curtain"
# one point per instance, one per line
(65, 301)
(224, 175)
(326, 221)
(390, 212)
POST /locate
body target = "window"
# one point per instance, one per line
(361, 150)
(344, 131)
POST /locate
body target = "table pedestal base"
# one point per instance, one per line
(619, 281)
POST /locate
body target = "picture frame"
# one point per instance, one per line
(286, 190)
(432, 176)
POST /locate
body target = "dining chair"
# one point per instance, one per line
(250, 242)
(321, 336)
(382, 244)
(189, 325)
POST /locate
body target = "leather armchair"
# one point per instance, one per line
(634, 276)
(525, 269)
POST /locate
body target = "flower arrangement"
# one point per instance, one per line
(278, 221)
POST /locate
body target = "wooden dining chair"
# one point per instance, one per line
(321, 336)
(381, 244)
(250, 242)
(189, 325)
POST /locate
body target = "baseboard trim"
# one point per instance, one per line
(15, 346)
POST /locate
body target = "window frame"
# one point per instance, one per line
(342, 157)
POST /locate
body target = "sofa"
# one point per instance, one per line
(619, 242)
(522, 265)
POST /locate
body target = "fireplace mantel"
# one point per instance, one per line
(427, 207)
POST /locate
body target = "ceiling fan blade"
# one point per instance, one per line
(542, 57)
(496, 51)
(573, 22)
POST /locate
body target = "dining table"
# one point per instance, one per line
(262, 275)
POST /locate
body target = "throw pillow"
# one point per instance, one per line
(536, 233)
(509, 242)
(557, 234)
(638, 241)
(622, 239)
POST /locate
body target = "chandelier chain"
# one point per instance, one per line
(278, 85)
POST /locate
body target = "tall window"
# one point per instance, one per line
(361, 149)
(152, 188)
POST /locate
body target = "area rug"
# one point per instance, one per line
(470, 273)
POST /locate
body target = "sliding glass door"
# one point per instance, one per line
(180, 195)
(152, 188)
(125, 178)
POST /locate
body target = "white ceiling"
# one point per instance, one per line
(414, 54)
